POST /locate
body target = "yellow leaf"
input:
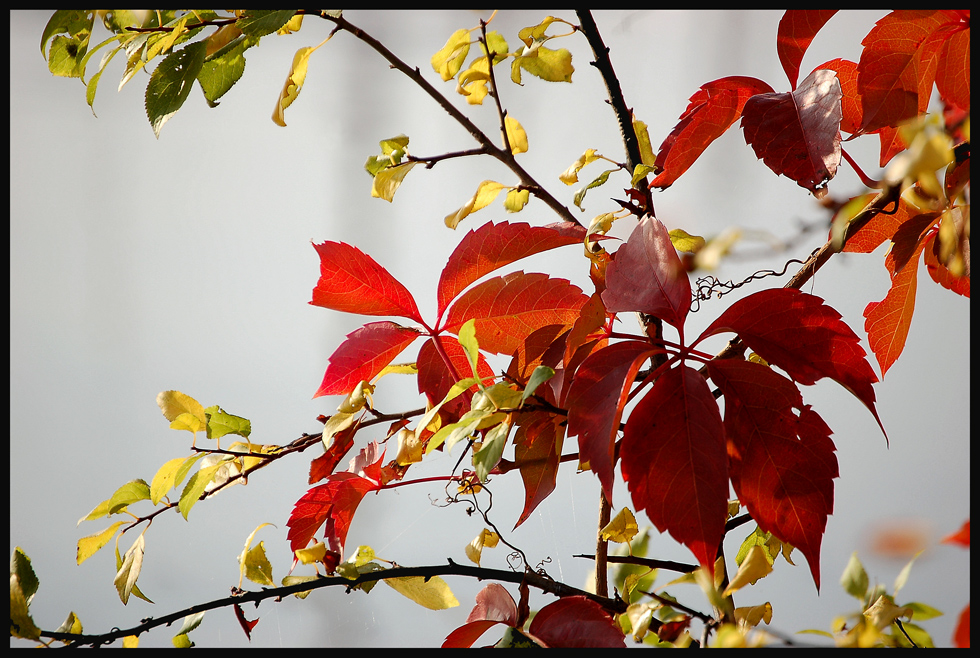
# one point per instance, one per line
(312, 554)
(544, 63)
(363, 555)
(256, 566)
(754, 566)
(516, 136)
(398, 369)
(750, 616)
(357, 399)
(472, 83)
(21, 623)
(164, 479)
(434, 594)
(486, 538)
(409, 448)
(449, 60)
(183, 410)
(647, 156)
(485, 194)
(622, 528)
(570, 175)
(883, 612)
(684, 241)
(386, 182)
(89, 546)
(292, 25)
(293, 85)
(516, 200)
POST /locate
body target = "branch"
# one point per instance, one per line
(536, 580)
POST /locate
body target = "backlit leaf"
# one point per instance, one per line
(352, 282)
(509, 308)
(484, 196)
(647, 276)
(435, 379)
(386, 182)
(449, 59)
(365, 353)
(537, 451)
(195, 488)
(576, 621)
(89, 546)
(621, 528)
(432, 593)
(176, 405)
(711, 111)
(493, 246)
(798, 134)
(516, 136)
(129, 572)
(674, 462)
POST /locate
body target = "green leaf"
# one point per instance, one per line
(923, 612)
(489, 453)
(220, 72)
(467, 339)
(600, 180)
(67, 52)
(195, 487)
(20, 566)
(259, 22)
(221, 423)
(171, 83)
(540, 375)
(131, 492)
(855, 579)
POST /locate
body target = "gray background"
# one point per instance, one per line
(140, 265)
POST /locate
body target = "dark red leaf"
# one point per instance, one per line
(898, 65)
(781, 462)
(508, 309)
(796, 30)
(494, 605)
(492, 246)
(363, 355)
(537, 452)
(464, 636)
(798, 134)
(647, 276)
(340, 445)
(711, 111)
(674, 462)
(595, 403)
(576, 621)
(352, 282)
(797, 332)
(246, 625)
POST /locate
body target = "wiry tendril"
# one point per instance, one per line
(709, 286)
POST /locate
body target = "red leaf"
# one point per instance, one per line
(342, 442)
(576, 621)
(711, 111)
(435, 378)
(494, 605)
(898, 65)
(363, 355)
(646, 275)
(334, 502)
(674, 463)
(961, 536)
(493, 246)
(782, 465)
(953, 73)
(941, 275)
(887, 322)
(352, 282)
(800, 334)
(595, 403)
(798, 134)
(246, 625)
(537, 452)
(507, 309)
(796, 30)
(850, 104)
(961, 634)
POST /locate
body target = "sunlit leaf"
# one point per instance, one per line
(449, 59)
(170, 84)
(516, 136)
(129, 572)
(432, 593)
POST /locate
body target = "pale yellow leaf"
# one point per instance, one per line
(434, 594)
(516, 200)
(750, 616)
(570, 175)
(647, 156)
(163, 481)
(294, 82)
(684, 241)
(883, 612)
(386, 182)
(129, 572)
(256, 566)
(516, 136)
(484, 196)
(409, 448)
(89, 546)
(175, 404)
(486, 538)
(311, 554)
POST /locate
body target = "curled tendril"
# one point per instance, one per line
(709, 286)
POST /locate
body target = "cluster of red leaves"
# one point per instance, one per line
(678, 453)
(797, 133)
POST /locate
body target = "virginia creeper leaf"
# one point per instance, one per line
(576, 621)
(435, 379)
(352, 282)
(782, 462)
(494, 605)
(508, 308)
(800, 334)
(537, 451)
(493, 246)
(674, 463)
(898, 65)
(365, 353)
(796, 30)
(595, 403)
(953, 72)
(646, 275)
(711, 111)
(798, 134)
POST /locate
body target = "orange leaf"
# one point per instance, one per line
(537, 452)
(363, 355)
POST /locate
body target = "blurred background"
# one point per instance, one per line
(140, 265)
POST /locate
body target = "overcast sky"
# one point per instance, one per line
(140, 265)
